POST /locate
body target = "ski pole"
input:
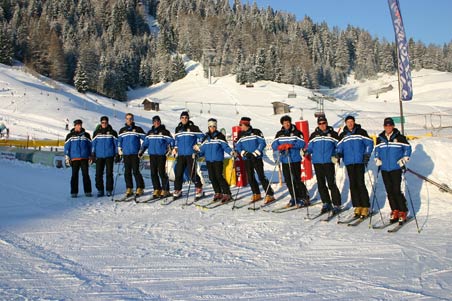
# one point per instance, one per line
(404, 169)
(195, 161)
(271, 179)
(374, 190)
(116, 180)
(292, 181)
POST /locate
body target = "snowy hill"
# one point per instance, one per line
(31, 106)
(53, 247)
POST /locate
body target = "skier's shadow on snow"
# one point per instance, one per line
(420, 161)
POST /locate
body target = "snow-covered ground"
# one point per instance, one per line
(53, 247)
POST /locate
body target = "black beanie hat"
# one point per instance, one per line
(78, 121)
(104, 118)
(349, 117)
(156, 118)
(184, 113)
(285, 118)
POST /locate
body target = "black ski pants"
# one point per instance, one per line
(292, 174)
(325, 173)
(84, 166)
(358, 190)
(256, 164)
(158, 172)
(216, 177)
(132, 165)
(107, 164)
(393, 180)
(182, 163)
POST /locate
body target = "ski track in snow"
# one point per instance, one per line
(57, 248)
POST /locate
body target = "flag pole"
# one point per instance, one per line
(402, 119)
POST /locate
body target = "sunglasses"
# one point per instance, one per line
(184, 117)
(321, 123)
(103, 122)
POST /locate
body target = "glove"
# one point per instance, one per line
(140, 154)
(196, 148)
(366, 158)
(334, 159)
(282, 147)
(120, 151)
(174, 152)
(92, 158)
(402, 162)
(67, 160)
(302, 152)
(378, 162)
(257, 153)
(194, 155)
(234, 154)
(117, 158)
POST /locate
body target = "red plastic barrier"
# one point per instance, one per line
(306, 165)
(240, 171)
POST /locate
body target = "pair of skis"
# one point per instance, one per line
(395, 226)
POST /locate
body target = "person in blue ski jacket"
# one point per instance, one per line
(355, 147)
(77, 150)
(392, 153)
(158, 142)
(187, 134)
(129, 144)
(322, 149)
(250, 145)
(105, 148)
(213, 147)
(290, 144)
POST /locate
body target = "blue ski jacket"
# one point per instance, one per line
(157, 141)
(392, 149)
(78, 145)
(291, 136)
(354, 144)
(251, 141)
(214, 146)
(186, 137)
(105, 142)
(130, 139)
(322, 145)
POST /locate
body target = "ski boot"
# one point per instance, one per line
(139, 192)
(129, 192)
(177, 194)
(364, 212)
(336, 210)
(226, 198)
(402, 217)
(394, 218)
(269, 199)
(256, 197)
(164, 193)
(357, 212)
(73, 195)
(290, 204)
(198, 193)
(88, 194)
(217, 197)
(157, 193)
(109, 193)
(100, 193)
(326, 208)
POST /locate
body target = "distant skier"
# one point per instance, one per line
(213, 147)
(77, 150)
(250, 145)
(322, 148)
(129, 144)
(355, 148)
(105, 148)
(289, 142)
(187, 135)
(391, 154)
(158, 142)
(66, 122)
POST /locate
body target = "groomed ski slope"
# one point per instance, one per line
(54, 248)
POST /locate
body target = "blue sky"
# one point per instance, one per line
(427, 20)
